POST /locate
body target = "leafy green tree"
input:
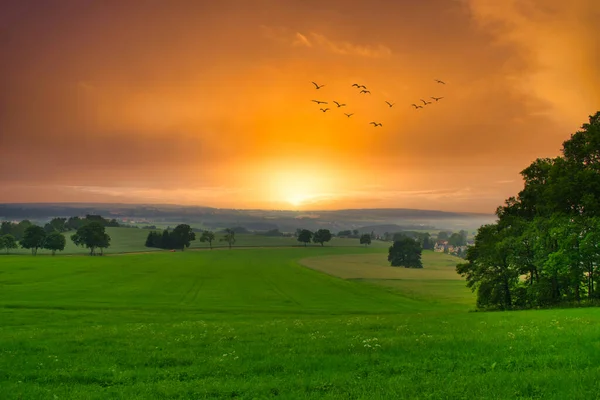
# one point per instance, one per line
(54, 242)
(321, 236)
(33, 238)
(405, 252)
(229, 237)
(154, 239)
(182, 236)
(207, 236)
(8, 242)
(443, 235)
(304, 236)
(456, 239)
(165, 240)
(92, 236)
(365, 239)
(427, 243)
(56, 225)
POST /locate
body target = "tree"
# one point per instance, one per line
(405, 252)
(55, 241)
(355, 232)
(207, 236)
(33, 238)
(304, 236)
(8, 242)
(181, 236)
(321, 236)
(56, 224)
(443, 235)
(365, 239)
(229, 237)
(488, 269)
(427, 243)
(154, 239)
(91, 235)
(456, 240)
(74, 223)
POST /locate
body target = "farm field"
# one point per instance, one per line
(254, 323)
(132, 240)
(436, 282)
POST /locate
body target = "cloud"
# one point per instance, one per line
(347, 48)
(316, 40)
(558, 46)
(301, 40)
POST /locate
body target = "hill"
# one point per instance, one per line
(284, 220)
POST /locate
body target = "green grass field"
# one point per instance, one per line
(131, 240)
(437, 282)
(255, 324)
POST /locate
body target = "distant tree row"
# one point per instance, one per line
(178, 238)
(91, 235)
(60, 225)
(321, 236)
(544, 248)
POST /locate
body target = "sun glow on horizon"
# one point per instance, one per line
(299, 187)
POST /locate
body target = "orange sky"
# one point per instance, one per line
(208, 103)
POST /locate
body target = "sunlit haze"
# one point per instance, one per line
(209, 102)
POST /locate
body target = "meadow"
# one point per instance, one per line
(276, 323)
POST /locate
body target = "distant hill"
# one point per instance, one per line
(259, 220)
(392, 228)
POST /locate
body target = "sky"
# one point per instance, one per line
(209, 103)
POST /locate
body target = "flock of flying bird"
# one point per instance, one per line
(363, 89)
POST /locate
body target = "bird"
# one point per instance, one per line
(438, 81)
(425, 102)
(338, 104)
(437, 98)
(319, 102)
(375, 124)
(362, 87)
(317, 86)
(390, 104)
(324, 109)
(348, 115)
(416, 106)
(365, 91)
(356, 85)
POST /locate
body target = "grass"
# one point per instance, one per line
(132, 240)
(254, 324)
(437, 282)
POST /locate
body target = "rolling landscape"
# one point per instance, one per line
(292, 200)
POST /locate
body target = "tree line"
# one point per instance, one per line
(544, 248)
(90, 232)
(182, 235)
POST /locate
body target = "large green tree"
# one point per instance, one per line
(543, 250)
(405, 252)
(33, 238)
(54, 242)
(321, 236)
(8, 243)
(304, 236)
(365, 239)
(182, 236)
(92, 236)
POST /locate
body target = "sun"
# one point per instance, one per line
(296, 188)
